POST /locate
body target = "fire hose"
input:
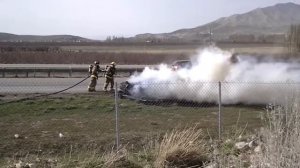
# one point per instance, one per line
(45, 95)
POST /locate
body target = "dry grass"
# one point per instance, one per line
(128, 53)
(79, 159)
(87, 121)
(182, 148)
(117, 159)
(86, 57)
(281, 138)
(224, 152)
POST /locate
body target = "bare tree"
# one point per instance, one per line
(294, 38)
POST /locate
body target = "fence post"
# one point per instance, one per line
(117, 117)
(3, 73)
(70, 71)
(34, 72)
(220, 108)
(16, 71)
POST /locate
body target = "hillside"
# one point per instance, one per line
(262, 21)
(6, 37)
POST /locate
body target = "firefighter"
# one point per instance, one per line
(234, 58)
(93, 71)
(109, 75)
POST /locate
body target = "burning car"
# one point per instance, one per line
(138, 92)
(129, 90)
(160, 85)
(179, 64)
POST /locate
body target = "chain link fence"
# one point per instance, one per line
(217, 107)
(214, 106)
(137, 110)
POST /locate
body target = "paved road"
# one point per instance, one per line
(46, 85)
(66, 65)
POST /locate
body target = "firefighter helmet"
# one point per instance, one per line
(113, 63)
(96, 62)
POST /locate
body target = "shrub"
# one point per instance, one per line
(182, 148)
(281, 138)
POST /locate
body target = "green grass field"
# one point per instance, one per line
(87, 121)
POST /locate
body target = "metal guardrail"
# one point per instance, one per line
(49, 71)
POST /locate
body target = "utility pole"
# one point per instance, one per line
(210, 36)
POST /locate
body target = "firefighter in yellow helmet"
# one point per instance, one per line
(110, 71)
(93, 71)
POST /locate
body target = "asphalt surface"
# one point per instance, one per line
(66, 65)
(48, 85)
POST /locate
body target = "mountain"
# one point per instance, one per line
(6, 37)
(262, 21)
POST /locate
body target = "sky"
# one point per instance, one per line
(98, 19)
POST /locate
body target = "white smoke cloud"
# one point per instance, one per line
(248, 81)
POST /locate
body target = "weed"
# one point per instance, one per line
(182, 148)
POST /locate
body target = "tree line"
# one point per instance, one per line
(294, 38)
